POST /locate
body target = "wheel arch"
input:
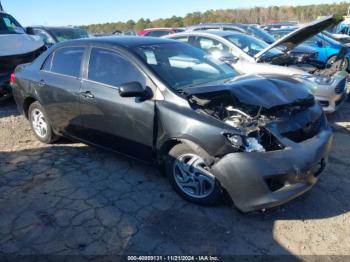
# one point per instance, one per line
(26, 104)
(170, 143)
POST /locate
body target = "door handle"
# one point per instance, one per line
(87, 94)
(41, 83)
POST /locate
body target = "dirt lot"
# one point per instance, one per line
(74, 199)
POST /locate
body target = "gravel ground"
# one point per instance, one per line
(71, 199)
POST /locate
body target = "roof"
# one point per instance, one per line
(159, 28)
(54, 27)
(124, 41)
(210, 32)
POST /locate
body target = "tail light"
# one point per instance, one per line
(13, 78)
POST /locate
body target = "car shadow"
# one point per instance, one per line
(8, 108)
(340, 120)
(79, 200)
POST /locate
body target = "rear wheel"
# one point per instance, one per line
(191, 177)
(40, 124)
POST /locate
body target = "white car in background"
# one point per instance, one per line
(249, 55)
(16, 47)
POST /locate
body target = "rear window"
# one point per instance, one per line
(9, 25)
(66, 61)
(64, 34)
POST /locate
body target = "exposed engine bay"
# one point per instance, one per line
(249, 120)
(312, 66)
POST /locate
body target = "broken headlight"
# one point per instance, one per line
(246, 144)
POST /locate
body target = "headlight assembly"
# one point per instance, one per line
(247, 144)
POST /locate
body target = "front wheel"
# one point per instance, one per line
(191, 177)
(332, 60)
(40, 124)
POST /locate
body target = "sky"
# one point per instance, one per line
(84, 12)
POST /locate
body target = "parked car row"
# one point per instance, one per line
(226, 109)
(250, 55)
(16, 48)
(225, 114)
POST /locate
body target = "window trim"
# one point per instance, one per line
(53, 53)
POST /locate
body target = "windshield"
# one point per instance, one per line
(181, 65)
(64, 34)
(252, 46)
(9, 25)
(260, 33)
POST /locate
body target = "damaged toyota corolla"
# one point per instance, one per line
(260, 139)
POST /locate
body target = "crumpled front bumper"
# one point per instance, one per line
(246, 176)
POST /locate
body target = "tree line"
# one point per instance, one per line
(256, 15)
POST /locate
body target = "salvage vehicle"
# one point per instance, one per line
(344, 39)
(16, 47)
(327, 47)
(242, 28)
(261, 139)
(302, 53)
(54, 35)
(248, 55)
(159, 32)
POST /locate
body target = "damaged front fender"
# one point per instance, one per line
(246, 176)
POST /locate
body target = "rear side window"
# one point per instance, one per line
(107, 67)
(67, 61)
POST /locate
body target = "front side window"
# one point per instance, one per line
(181, 66)
(67, 61)
(9, 25)
(107, 67)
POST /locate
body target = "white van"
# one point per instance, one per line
(16, 47)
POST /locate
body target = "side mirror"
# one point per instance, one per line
(231, 59)
(132, 89)
(319, 43)
(224, 56)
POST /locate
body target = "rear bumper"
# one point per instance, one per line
(248, 177)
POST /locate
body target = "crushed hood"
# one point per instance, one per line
(266, 91)
(298, 36)
(17, 44)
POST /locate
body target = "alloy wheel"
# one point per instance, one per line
(193, 176)
(39, 123)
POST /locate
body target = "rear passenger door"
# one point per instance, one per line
(121, 124)
(60, 86)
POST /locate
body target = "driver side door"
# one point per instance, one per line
(122, 124)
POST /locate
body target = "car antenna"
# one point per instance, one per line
(1, 8)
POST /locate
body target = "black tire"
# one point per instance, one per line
(49, 136)
(213, 198)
